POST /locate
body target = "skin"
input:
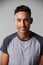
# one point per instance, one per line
(4, 59)
(41, 60)
(22, 21)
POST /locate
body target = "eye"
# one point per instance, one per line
(26, 20)
(18, 20)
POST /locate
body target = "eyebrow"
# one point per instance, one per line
(24, 18)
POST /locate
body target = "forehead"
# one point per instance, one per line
(22, 14)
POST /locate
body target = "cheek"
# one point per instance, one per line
(17, 25)
(27, 24)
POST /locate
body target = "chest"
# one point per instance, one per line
(24, 53)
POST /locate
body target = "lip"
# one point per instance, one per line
(22, 28)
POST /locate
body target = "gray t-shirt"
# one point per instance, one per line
(23, 52)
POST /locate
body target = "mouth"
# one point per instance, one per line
(22, 29)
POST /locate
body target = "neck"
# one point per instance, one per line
(25, 35)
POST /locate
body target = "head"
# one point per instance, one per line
(23, 18)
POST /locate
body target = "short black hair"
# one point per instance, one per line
(22, 8)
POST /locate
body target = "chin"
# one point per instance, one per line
(23, 32)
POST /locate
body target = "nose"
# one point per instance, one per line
(22, 23)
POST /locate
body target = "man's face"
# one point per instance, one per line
(22, 21)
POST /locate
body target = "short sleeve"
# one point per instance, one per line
(4, 45)
(6, 41)
(41, 50)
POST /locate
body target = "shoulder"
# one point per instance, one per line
(9, 38)
(6, 41)
(38, 37)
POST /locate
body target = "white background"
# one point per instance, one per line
(7, 8)
(7, 16)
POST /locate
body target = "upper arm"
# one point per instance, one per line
(41, 60)
(4, 59)
(41, 54)
(4, 53)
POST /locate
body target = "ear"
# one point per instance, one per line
(31, 20)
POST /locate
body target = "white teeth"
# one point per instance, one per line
(22, 28)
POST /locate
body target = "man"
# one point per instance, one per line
(23, 47)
